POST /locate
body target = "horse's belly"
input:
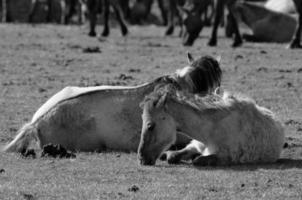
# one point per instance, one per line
(92, 125)
(280, 29)
(119, 131)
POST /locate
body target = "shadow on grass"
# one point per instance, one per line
(283, 163)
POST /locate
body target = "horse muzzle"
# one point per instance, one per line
(149, 162)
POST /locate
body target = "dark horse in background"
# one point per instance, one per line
(220, 4)
(120, 7)
(67, 9)
(141, 9)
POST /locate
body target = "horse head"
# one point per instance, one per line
(158, 130)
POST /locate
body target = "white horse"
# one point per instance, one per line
(233, 129)
(107, 117)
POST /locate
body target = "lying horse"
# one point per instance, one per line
(266, 25)
(286, 6)
(233, 129)
(107, 117)
(295, 42)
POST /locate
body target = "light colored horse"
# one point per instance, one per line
(233, 129)
(266, 25)
(284, 6)
(107, 117)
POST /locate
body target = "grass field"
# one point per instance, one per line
(37, 61)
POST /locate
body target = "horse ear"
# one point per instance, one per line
(190, 58)
(218, 58)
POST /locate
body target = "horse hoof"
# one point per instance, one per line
(105, 33)
(163, 157)
(294, 46)
(172, 157)
(170, 31)
(212, 43)
(92, 34)
(124, 31)
(237, 43)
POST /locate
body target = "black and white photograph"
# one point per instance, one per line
(150, 99)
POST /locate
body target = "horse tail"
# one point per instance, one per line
(23, 139)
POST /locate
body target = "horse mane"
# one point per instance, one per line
(205, 76)
(225, 102)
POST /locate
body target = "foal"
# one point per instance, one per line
(233, 129)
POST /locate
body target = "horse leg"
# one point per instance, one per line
(32, 11)
(82, 11)
(172, 8)
(4, 11)
(92, 6)
(49, 11)
(218, 14)
(237, 40)
(124, 4)
(295, 43)
(120, 18)
(106, 30)
(210, 160)
(163, 12)
(63, 5)
(192, 150)
(71, 5)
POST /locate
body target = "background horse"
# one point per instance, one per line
(233, 129)
(266, 25)
(107, 117)
(295, 42)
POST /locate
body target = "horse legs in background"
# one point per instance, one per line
(120, 18)
(33, 9)
(218, 16)
(172, 12)
(163, 12)
(119, 15)
(70, 10)
(4, 11)
(208, 18)
(295, 43)
(124, 4)
(93, 6)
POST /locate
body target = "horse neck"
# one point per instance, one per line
(191, 122)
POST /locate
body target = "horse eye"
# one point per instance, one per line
(150, 126)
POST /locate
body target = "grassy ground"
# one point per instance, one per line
(38, 61)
